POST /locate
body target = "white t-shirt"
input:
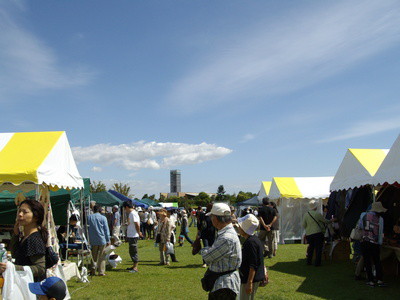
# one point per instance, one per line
(132, 219)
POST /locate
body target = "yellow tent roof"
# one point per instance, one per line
(267, 186)
(300, 187)
(38, 157)
(370, 159)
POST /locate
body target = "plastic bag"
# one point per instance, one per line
(169, 248)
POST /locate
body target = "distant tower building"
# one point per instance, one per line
(175, 180)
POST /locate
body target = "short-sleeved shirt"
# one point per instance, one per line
(133, 218)
(99, 233)
(117, 219)
(267, 214)
(32, 245)
(252, 257)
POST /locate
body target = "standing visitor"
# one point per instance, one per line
(142, 222)
(252, 267)
(193, 218)
(224, 256)
(371, 223)
(151, 223)
(184, 228)
(99, 238)
(267, 217)
(116, 228)
(164, 233)
(205, 228)
(275, 229)
(314, 225)
(29, 249)
(132, 233)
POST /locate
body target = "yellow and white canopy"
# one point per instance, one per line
(358, 168)
(29, 158)
(389, 170)
(264, 190)
(300, 187)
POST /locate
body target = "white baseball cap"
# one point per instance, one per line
(249, 223)
(220, 209)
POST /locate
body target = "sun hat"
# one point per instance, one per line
(116, 206)
(249, 223)
(220, 209)
(378, 207)
(52, 287)
(139, 209)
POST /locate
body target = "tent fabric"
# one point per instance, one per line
(293, 196)
(300, 187)
(264, 190)
(389, 170)
(358, 168)
(106, 199)
(39, 158)
(250, 202)
(124, 198)
(150, 202)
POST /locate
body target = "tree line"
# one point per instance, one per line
(202, 199)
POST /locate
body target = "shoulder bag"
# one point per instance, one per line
(210, 277)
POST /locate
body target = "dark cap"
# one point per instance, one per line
(52, 287)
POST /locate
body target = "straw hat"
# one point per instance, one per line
(249, 223)
(378, 207)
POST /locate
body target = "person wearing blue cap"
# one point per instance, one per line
(52, 288)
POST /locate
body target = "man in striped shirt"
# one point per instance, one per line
(224, 255)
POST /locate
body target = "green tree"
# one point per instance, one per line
(123, 189)
(202, 199)
(145, 196)
(220, 194)
(152, 197)
(97, 186)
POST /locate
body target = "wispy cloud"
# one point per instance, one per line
(27, 63)
(97, 169)
(281, 58)
(248, 137)
(365, 128)
(149, 155)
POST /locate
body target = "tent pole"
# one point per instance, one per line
(67, 239)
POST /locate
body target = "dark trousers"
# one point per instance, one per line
(222, 294)
(316, 242)
(143, 226)
(371, 253)
(133, 249)
(184, 233)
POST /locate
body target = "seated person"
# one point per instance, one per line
(73, 236)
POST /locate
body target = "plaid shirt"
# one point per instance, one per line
(224, 255)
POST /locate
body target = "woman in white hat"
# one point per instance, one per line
(372, 224)
(252, 267)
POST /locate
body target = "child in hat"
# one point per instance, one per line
(52, 288)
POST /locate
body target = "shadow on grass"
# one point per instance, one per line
(332, 280)
(196, 266)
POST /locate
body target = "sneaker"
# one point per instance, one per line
(370, 283)
(204, 266)
(380, 283)
(133, 271)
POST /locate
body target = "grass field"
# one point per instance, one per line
(290, 278)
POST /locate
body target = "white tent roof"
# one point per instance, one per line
(389, 170)
(357, 168)
(300, 187)
(31, 158)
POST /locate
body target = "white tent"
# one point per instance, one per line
(29, 159)
(293, 196)
(264, 189)
(389, 170)
(357, 168)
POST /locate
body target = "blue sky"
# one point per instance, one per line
(229, 92)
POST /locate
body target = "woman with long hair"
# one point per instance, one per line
(29, 249)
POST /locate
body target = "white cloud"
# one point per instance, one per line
(149, 155)
(366, 128)
(97, 169)
(28, 64)
(297, 52)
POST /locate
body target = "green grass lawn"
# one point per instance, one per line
(290, 278)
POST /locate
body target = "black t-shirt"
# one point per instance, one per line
(32, 245)
(207, 230)
(252, 257)
(276, 224)
(267, 214)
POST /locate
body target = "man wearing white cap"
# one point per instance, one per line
(224, 256)
(252, 267)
